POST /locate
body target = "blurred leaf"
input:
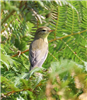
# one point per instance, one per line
(6, 59)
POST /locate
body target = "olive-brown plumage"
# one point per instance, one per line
(39, 47)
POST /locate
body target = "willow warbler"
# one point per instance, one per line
(39, 47)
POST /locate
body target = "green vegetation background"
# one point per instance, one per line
(64, 76)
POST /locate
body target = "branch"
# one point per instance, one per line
(67, 36)
(10, 93)
(20, 53)
(11, 13)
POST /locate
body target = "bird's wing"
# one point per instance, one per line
(37, 55)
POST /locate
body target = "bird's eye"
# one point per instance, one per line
(43, 30)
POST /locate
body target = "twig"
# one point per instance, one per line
(11, 13)
(20, 53)
(67, 36)
(9, 93)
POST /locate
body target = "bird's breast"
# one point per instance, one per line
(39, 44)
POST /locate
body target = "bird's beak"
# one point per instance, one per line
(51, 30)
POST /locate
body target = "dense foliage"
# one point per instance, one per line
(64, 73)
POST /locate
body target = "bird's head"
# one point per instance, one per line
(43, 32)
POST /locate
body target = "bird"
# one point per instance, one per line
(38, 49)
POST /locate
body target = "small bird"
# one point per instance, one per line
(39, 47)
